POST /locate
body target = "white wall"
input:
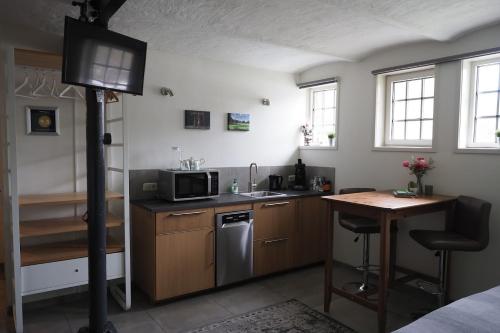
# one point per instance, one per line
(156, 122)
(357, 165)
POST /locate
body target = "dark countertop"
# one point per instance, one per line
(225, 199)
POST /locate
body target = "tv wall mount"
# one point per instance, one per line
(97, 12)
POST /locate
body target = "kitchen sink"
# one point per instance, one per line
(262, 194)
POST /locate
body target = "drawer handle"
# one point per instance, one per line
(266, 242)
(189, 213)
(277, 204)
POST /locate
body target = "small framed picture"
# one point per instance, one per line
(238, 122)
(196, 119)
(42, 120)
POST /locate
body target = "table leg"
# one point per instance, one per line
(450, 209)
(385, 252)
(394, 244)
(329, 257)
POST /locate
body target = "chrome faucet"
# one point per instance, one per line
(252, 185)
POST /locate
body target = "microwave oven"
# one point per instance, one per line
(179, 185)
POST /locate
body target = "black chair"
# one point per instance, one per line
(364, 226)
(468, 230)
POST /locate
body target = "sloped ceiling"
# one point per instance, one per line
(284, 35)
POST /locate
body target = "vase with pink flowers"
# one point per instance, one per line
(419, 166)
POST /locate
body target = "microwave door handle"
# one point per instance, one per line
(209, 180)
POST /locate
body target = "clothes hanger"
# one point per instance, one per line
(76, 93)
(111, 97)
(53, 91)
(25, 83)
(38, 91)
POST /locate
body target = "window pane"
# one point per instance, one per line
(328, 116)
(428, 108)
(398, 130)
(414, 89)
(413, 109)
(318, 118)
(399, 90)
(412, 130)
(328, 98)
(487, 77)
(427, 129)
(485, 130)
(318, 100)
(323, 114)
(486, 104)
(429, 87)
(399, 110)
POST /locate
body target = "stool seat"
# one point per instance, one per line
(466, 230)
(360, 225)
(445, 240)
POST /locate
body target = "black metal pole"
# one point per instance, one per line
(96, 206)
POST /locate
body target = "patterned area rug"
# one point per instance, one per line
(287, 317)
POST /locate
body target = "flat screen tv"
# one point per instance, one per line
(100, 58)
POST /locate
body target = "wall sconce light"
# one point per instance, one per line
(266, 102)
(164, 91)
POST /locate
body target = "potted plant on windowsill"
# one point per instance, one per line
(497, 136)
(331, 136)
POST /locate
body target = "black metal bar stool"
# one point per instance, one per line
(365, 227)
(468, 230)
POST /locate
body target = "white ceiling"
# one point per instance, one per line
(284, 35)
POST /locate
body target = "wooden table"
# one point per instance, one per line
(385, 208)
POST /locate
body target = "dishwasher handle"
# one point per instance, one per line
(237, 224)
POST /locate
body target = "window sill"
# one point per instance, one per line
(317, 147)
(405, 149)
(492, 151)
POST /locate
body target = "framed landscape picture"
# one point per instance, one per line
(42, 120)
(238, 121)
(196, 119)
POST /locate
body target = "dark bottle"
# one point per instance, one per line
(300, 176)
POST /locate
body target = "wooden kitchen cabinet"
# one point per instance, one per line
(174, 252)
(310, 231)
(273, 236)
(185, 263)
(274, 219)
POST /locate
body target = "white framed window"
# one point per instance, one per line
(410, 109)
(404, 117)
(323, 114)
(480, 103)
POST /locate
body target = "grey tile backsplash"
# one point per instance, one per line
(226, 176)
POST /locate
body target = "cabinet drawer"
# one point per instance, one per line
(275, 219)
(66, 273)
(272, 255)
(234, 208)
(184, 220)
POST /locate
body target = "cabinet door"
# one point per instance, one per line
(184, 263)
(272, 255)
(274, 219)
(310, 232)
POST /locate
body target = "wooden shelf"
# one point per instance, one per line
(61, 198)
(45, 253)
(60, 226)
(38, 59)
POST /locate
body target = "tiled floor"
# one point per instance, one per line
(68, 314)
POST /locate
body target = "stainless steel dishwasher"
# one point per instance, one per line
(234, 247)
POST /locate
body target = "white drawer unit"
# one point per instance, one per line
(67, 273)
